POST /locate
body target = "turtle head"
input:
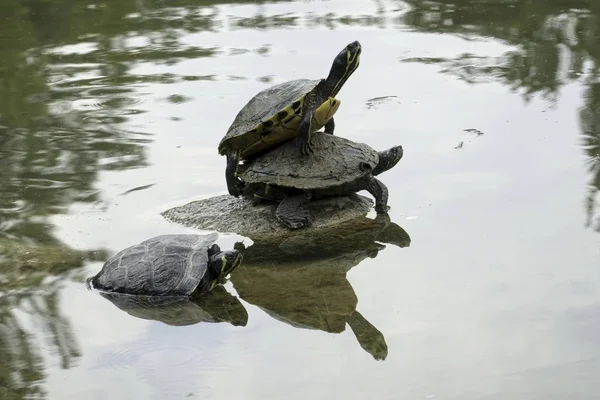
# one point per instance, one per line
(388, 159)
(343, 66)
(222, 264)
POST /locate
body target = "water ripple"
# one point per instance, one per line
(149, 354)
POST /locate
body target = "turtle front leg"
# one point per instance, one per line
(213, 250)
(304, 140)
(330, 126)
(311, 102)
(234, 184)
(291, 214)
(380, 192)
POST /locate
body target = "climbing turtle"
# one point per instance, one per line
(339, 168)
(167, 265)
(278, 113)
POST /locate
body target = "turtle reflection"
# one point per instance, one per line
(216, 306)
(301, 280)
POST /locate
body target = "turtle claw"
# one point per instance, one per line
(382, 209)
(306, 147)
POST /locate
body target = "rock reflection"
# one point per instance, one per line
(301, 280)
(360, 234)
(299, 276)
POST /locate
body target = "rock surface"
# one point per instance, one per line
(256, 219)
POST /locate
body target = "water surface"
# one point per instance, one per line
(111, 112)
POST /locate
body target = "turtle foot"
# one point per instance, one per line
(236, 189)
(382, 209)
(306, 147)
(303, 219)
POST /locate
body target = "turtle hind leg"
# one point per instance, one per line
(330, 126)
(380, 192)
(234, 184)
(291, 214)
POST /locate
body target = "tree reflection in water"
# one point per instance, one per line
(64, 114)
(557, 43)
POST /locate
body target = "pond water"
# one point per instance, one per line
(111, 113)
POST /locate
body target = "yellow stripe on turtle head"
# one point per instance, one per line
(353, 59)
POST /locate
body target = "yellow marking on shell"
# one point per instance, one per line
(286, 129)
(280, 131)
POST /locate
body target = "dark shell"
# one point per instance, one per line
(266, 104)
(335, 161)
(167, 265)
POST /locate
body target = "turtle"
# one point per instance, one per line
(340, 167)
(167, 265)
(281, 112)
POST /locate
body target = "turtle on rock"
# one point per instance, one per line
(340, 167)
(167, 265)
(284, 111)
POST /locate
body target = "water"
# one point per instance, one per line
(111, 113)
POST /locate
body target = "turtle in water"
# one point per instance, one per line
(283, 111)
(167, 265)
(339, 168)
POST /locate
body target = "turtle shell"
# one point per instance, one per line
(268, 108)
(338, 161)
(166, 265)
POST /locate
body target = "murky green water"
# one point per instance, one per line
(111, 112)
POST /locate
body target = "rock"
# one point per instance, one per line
(256, 218)
(341, 226)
